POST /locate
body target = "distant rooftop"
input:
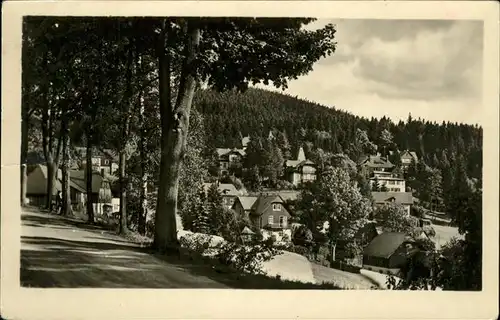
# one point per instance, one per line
(397, 197)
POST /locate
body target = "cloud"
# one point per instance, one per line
(427, 66)
(400, 66)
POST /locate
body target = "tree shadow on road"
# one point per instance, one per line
(75, 264)
(55, 220)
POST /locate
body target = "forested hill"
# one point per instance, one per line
(231, 115)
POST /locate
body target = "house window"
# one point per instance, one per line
(276, 206)
(283, 221)
(270, 220)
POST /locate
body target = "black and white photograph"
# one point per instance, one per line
(251, 152)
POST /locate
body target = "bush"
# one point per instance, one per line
(284, 185)
(429, 230)
(237, 183)
(346, 267)
(230, 255)
(418, 211)
(303, 251)
(198, 244)
(302, 236)
(247, 258)
(286, 238)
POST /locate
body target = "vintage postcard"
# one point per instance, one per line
(239, 159)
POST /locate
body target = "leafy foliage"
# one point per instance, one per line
(394, 218)
(334, 199)
(248, 258)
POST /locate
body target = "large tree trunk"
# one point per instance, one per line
(144, 204)
(141, 222)
(51, 183)
(52, 168)
(123, 225)
(174, 126)
(123, 193)
(88, 180)
(66, 192)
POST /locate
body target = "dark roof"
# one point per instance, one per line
(78, 179)
(37, 181)
(263, 202)
(385, 244)
(398, 197)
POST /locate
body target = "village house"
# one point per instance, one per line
(230, 160)
(228, 192)
(267, 213)
(104, 161)
(36, 189)
(389, 180)
(407, 157)
(404, 199)
(300, 170)
(370, 164)
(388, 252)
(101, 192)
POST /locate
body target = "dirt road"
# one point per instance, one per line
(57, 252)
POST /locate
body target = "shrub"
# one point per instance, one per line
(286, 238)
(303, 251)
(417, 211)
(233, 256)
(345, 267)
(284, 185)
(429, 230)
(247, 258)
(237, 183)
(196, 243)
(302, 236)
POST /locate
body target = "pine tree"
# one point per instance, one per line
(252, 179)
(201, 221)
(215, 209)
(284, 145)
(364, 186)
(272, 162)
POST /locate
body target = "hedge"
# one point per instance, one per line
(345, 267)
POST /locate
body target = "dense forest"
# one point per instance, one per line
(231, 115)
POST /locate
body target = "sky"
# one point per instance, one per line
(429, 68)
